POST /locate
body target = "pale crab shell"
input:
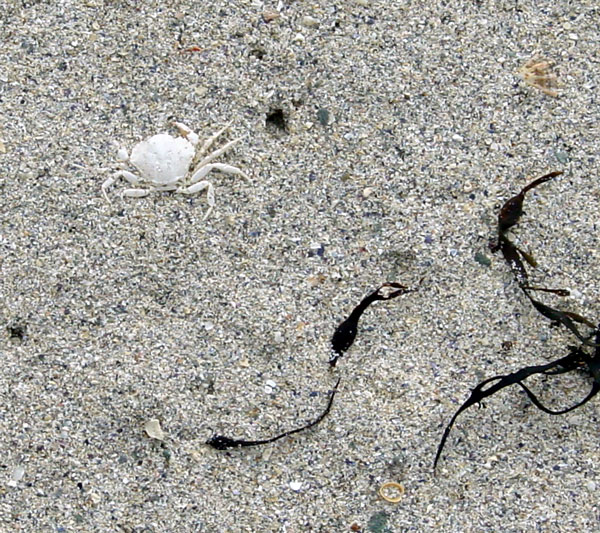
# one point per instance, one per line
(163, 159)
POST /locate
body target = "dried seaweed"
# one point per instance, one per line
(566, 318)
(345, 333)
(577, 358)
(221, 442)
(513, 208)
(342, 340)
(509, 215)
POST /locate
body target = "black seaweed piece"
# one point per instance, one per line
(513, 209)
(512, 257)
(576, 359)
(345, 333)
(509, 215)
(220, 442)
(560, 292)
(566, 318)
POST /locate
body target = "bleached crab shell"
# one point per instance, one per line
(163, 159)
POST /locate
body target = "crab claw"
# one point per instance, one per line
(122, 153)
(187, 132)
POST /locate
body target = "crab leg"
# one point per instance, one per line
(129, 176)
(212, 156)
(227, 169)
(208, 143)
(136, 193)
(200, 186)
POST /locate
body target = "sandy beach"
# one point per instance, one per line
(380, 140)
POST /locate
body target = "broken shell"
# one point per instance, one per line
(295, 485)
(153, 429)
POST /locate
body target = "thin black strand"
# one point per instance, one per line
(220, 442)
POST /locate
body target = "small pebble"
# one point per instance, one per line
(310, 22)
(483, 259)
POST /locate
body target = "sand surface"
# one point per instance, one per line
(381, 138)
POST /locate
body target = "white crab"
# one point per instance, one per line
(167, 163)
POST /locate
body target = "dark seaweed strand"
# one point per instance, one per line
(513, 208)
(564, 364)
(220, 442)
(595, 389)
(345, 333)
(509, 215)
(577, 359)
(566, 318)
(559, 292)
(513, 259)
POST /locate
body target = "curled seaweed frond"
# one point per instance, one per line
(345, 333)
(509, 215)
(513, 208)
(577, 359)
(221, 442)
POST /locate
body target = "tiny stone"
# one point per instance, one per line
(576, 294)
(153, 429)
(323, 116)
(269, 16)
(483, 259)
(16, 475)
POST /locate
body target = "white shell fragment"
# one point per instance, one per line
(153, 429)
(16, 475)
(270, 386)
(295, 485)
